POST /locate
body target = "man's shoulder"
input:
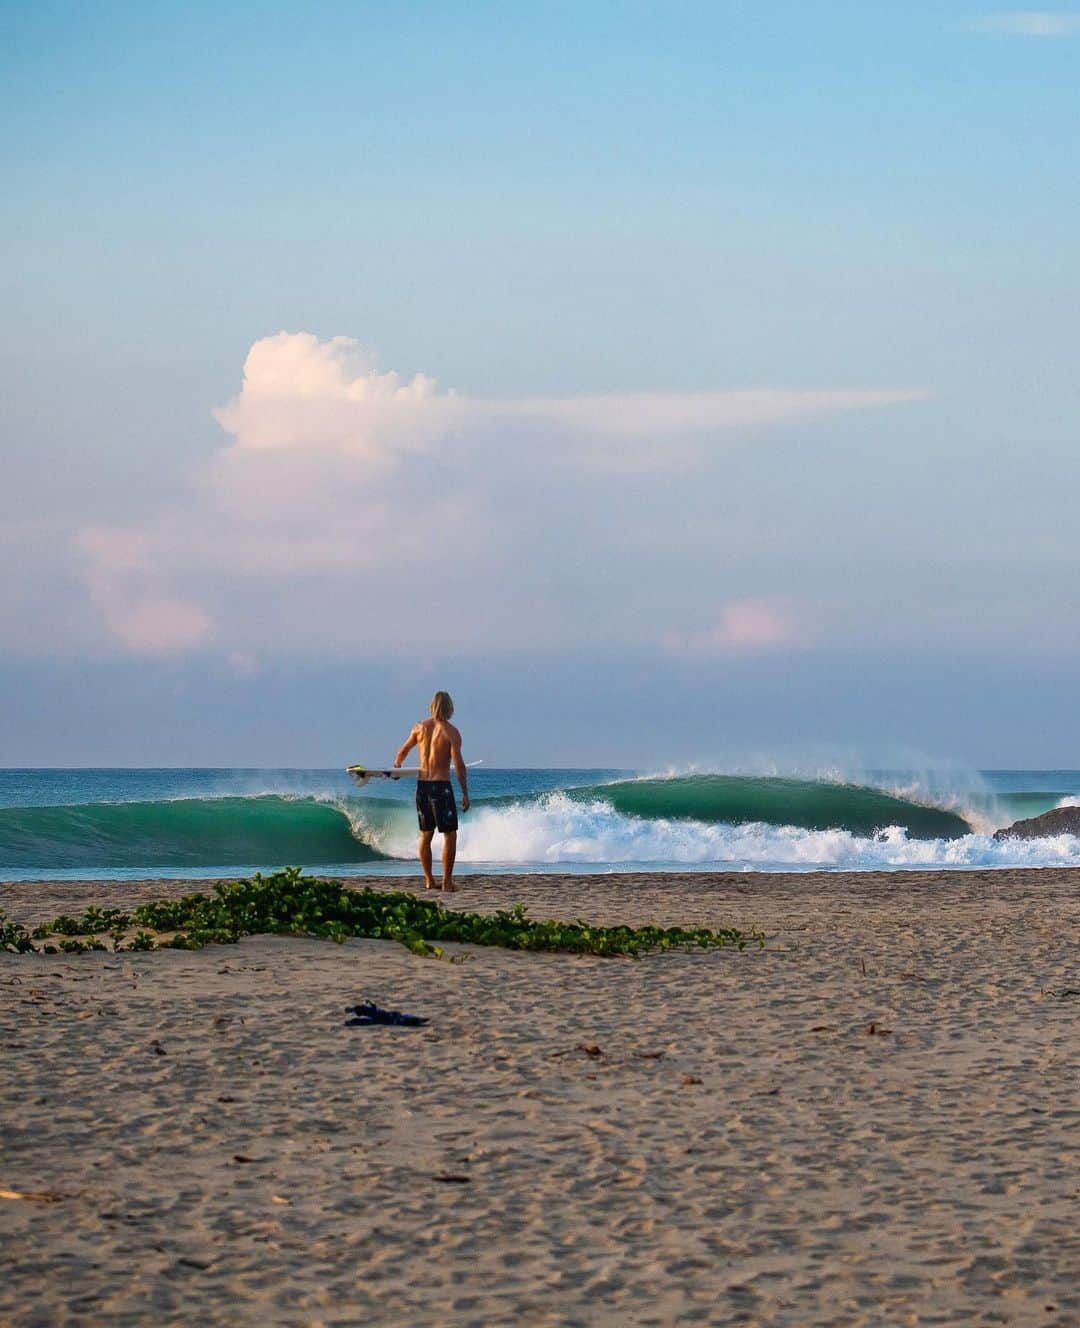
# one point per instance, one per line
(424, 726)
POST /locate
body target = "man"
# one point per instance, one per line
(439, 743)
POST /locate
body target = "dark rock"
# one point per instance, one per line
(1059, 821)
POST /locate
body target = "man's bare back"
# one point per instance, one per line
(436, 740)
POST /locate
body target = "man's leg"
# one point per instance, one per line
(449, 854)
(425, 858)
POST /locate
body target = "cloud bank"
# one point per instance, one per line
(356, 509)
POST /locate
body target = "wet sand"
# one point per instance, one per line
(875, 1120)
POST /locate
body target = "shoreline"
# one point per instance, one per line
(633, 897)
(873, 1120)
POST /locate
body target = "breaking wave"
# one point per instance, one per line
(563, 829)
(730, 821)
(808, 804)
(184, 832)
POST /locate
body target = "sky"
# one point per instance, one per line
(684, 383)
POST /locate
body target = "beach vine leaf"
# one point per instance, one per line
(288, 903)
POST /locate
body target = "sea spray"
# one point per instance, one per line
(559, 829)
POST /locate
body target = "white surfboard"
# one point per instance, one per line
(361, 773)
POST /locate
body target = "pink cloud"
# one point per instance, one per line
(117, 564)
(162, 625)
(115, 550)
(745, 625)
(243, 664)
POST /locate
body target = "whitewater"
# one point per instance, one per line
(116, 823)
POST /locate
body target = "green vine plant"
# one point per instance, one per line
(288, 903)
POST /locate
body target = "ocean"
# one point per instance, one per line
(86, 823)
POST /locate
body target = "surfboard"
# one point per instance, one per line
(361, 773)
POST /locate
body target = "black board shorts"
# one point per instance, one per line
(435, 806)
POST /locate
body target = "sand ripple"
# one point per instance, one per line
(874, 1121)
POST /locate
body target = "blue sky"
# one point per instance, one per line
(599, 227)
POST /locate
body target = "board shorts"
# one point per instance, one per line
(435, 806)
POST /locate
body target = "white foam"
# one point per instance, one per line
(558, 829)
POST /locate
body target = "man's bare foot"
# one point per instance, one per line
(449, 888)
(430, 885)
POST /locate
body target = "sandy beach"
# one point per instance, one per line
(874, 1120)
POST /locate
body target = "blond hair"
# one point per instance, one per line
(442, 705)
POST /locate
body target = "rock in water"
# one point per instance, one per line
(1059, 821)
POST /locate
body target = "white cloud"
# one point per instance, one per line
(742, 626)
(646, 415)
(1029, 23)
(650, 430)
(299, 391)
(328, 396)
(354, 508)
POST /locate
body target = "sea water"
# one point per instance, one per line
(208, 822)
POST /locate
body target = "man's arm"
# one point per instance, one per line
(406, 747)
(460, 769)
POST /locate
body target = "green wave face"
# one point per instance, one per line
(195, 832)
(738, 800)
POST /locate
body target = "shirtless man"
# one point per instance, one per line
(439, 743)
